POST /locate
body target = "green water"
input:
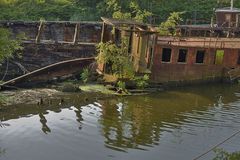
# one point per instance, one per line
(177, 124)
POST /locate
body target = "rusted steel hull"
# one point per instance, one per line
(50, 72)
(213, 67)
(53, 42)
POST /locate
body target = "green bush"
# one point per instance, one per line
(2, 99)
(141, 82)
(69, 87)
(118, 57)
(121, 87)
(85, 75)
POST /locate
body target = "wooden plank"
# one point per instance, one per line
(40, 29)
(103, 31)
(76, 33)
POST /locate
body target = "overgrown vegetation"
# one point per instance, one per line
(8, 48)
(135, 12)
(85, 75)
(141, 81)
(168, 27)
(117, 59)
(224, 155)
(118, 62)
(94, 9)
(8, 45)
(2, 99)
(121, 87)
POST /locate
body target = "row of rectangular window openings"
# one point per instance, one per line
(182, 57)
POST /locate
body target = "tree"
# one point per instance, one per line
(118, 58)
(8, 46)
(130, 10)
(169, 27)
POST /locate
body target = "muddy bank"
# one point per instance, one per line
(60, 93)
(30, 96)
(56, 95)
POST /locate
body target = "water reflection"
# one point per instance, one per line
(79, 119)
(168, 119)
(135, 122)
(43, 121)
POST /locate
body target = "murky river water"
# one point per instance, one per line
(172, 125)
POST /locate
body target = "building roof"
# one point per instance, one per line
(127, 25)
(119, 22)
(228, 9)
(195, 26)
(200, 42)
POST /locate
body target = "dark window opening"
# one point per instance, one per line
(166, 54)
(117, 37)
(200, 56)
(182, 56)
(238, 61)
(150, 58)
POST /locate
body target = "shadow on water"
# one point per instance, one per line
(139, 122)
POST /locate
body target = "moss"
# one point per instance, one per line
(70, 87)
(96, 88)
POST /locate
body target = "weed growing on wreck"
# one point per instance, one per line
(121, 87)
(117, 59)
(8, 46)
(168, 27)
(141, 81)
(118, 62)
(85, 75)
(3, 99)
